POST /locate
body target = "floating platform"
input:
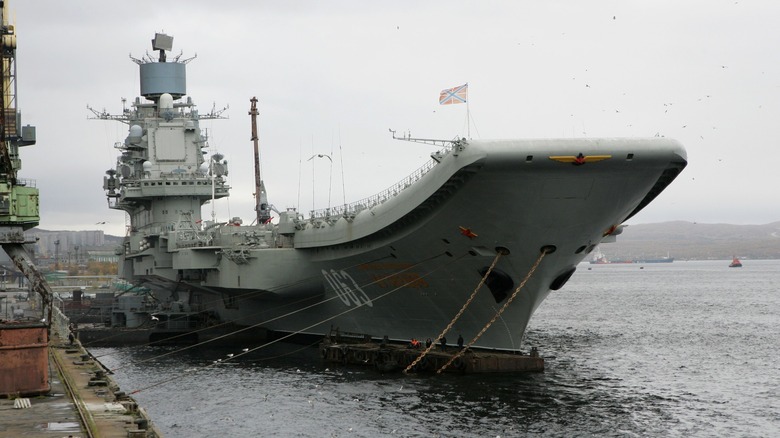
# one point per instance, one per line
(394, 357)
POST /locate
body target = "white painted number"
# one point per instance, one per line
(346, 288)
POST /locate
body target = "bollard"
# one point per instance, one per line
(142, 423)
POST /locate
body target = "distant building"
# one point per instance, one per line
(69, 241)
(102, 255)
(72, 247)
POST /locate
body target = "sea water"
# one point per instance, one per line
(688, 348)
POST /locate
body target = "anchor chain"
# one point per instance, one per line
(497, 315)
(457, 316)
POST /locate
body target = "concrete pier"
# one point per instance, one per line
(83, 402)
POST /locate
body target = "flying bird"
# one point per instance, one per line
(320, 156)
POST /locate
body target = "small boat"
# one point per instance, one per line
(735, 263)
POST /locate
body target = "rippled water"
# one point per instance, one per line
(681, 349)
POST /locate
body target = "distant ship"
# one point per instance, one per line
(735, 263)
(481, 222)
(666, 259)
(600, 259)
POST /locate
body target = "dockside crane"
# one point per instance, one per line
(18, 197)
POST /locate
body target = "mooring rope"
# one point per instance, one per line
(239, 298)
(457, 355)
(259, 324)
(282, 338)
(457, 316)
(145, 326)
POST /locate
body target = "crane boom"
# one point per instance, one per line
(261, 199)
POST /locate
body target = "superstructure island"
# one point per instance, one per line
(483, 231)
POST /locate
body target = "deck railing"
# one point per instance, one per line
(354, 208)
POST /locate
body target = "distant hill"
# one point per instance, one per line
(691, 240)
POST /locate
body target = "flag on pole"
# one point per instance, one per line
(454, 95)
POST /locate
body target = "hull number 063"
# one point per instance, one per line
(346, 288)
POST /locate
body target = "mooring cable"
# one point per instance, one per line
(247, 350)
(144, 327)
(498, 313)
(255, 294)
(457, 316)
(288, 314)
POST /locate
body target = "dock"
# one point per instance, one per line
(83, 401)
(395, 358)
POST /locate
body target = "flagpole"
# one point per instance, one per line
(468, 114)
(458, 95)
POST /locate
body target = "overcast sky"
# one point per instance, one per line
(333, 76)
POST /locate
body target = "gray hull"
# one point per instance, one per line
(401, 263)
(410, 267)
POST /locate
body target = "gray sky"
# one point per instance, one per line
(332, 77)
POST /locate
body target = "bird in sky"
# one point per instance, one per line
(320, 156)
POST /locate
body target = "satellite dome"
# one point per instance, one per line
(147, 166)
(166, 102)
(136, 132)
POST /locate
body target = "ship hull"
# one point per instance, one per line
(406, 267)
(400, 264)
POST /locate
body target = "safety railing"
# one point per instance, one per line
(353, 208)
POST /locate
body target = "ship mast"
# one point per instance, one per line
(261, 200)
